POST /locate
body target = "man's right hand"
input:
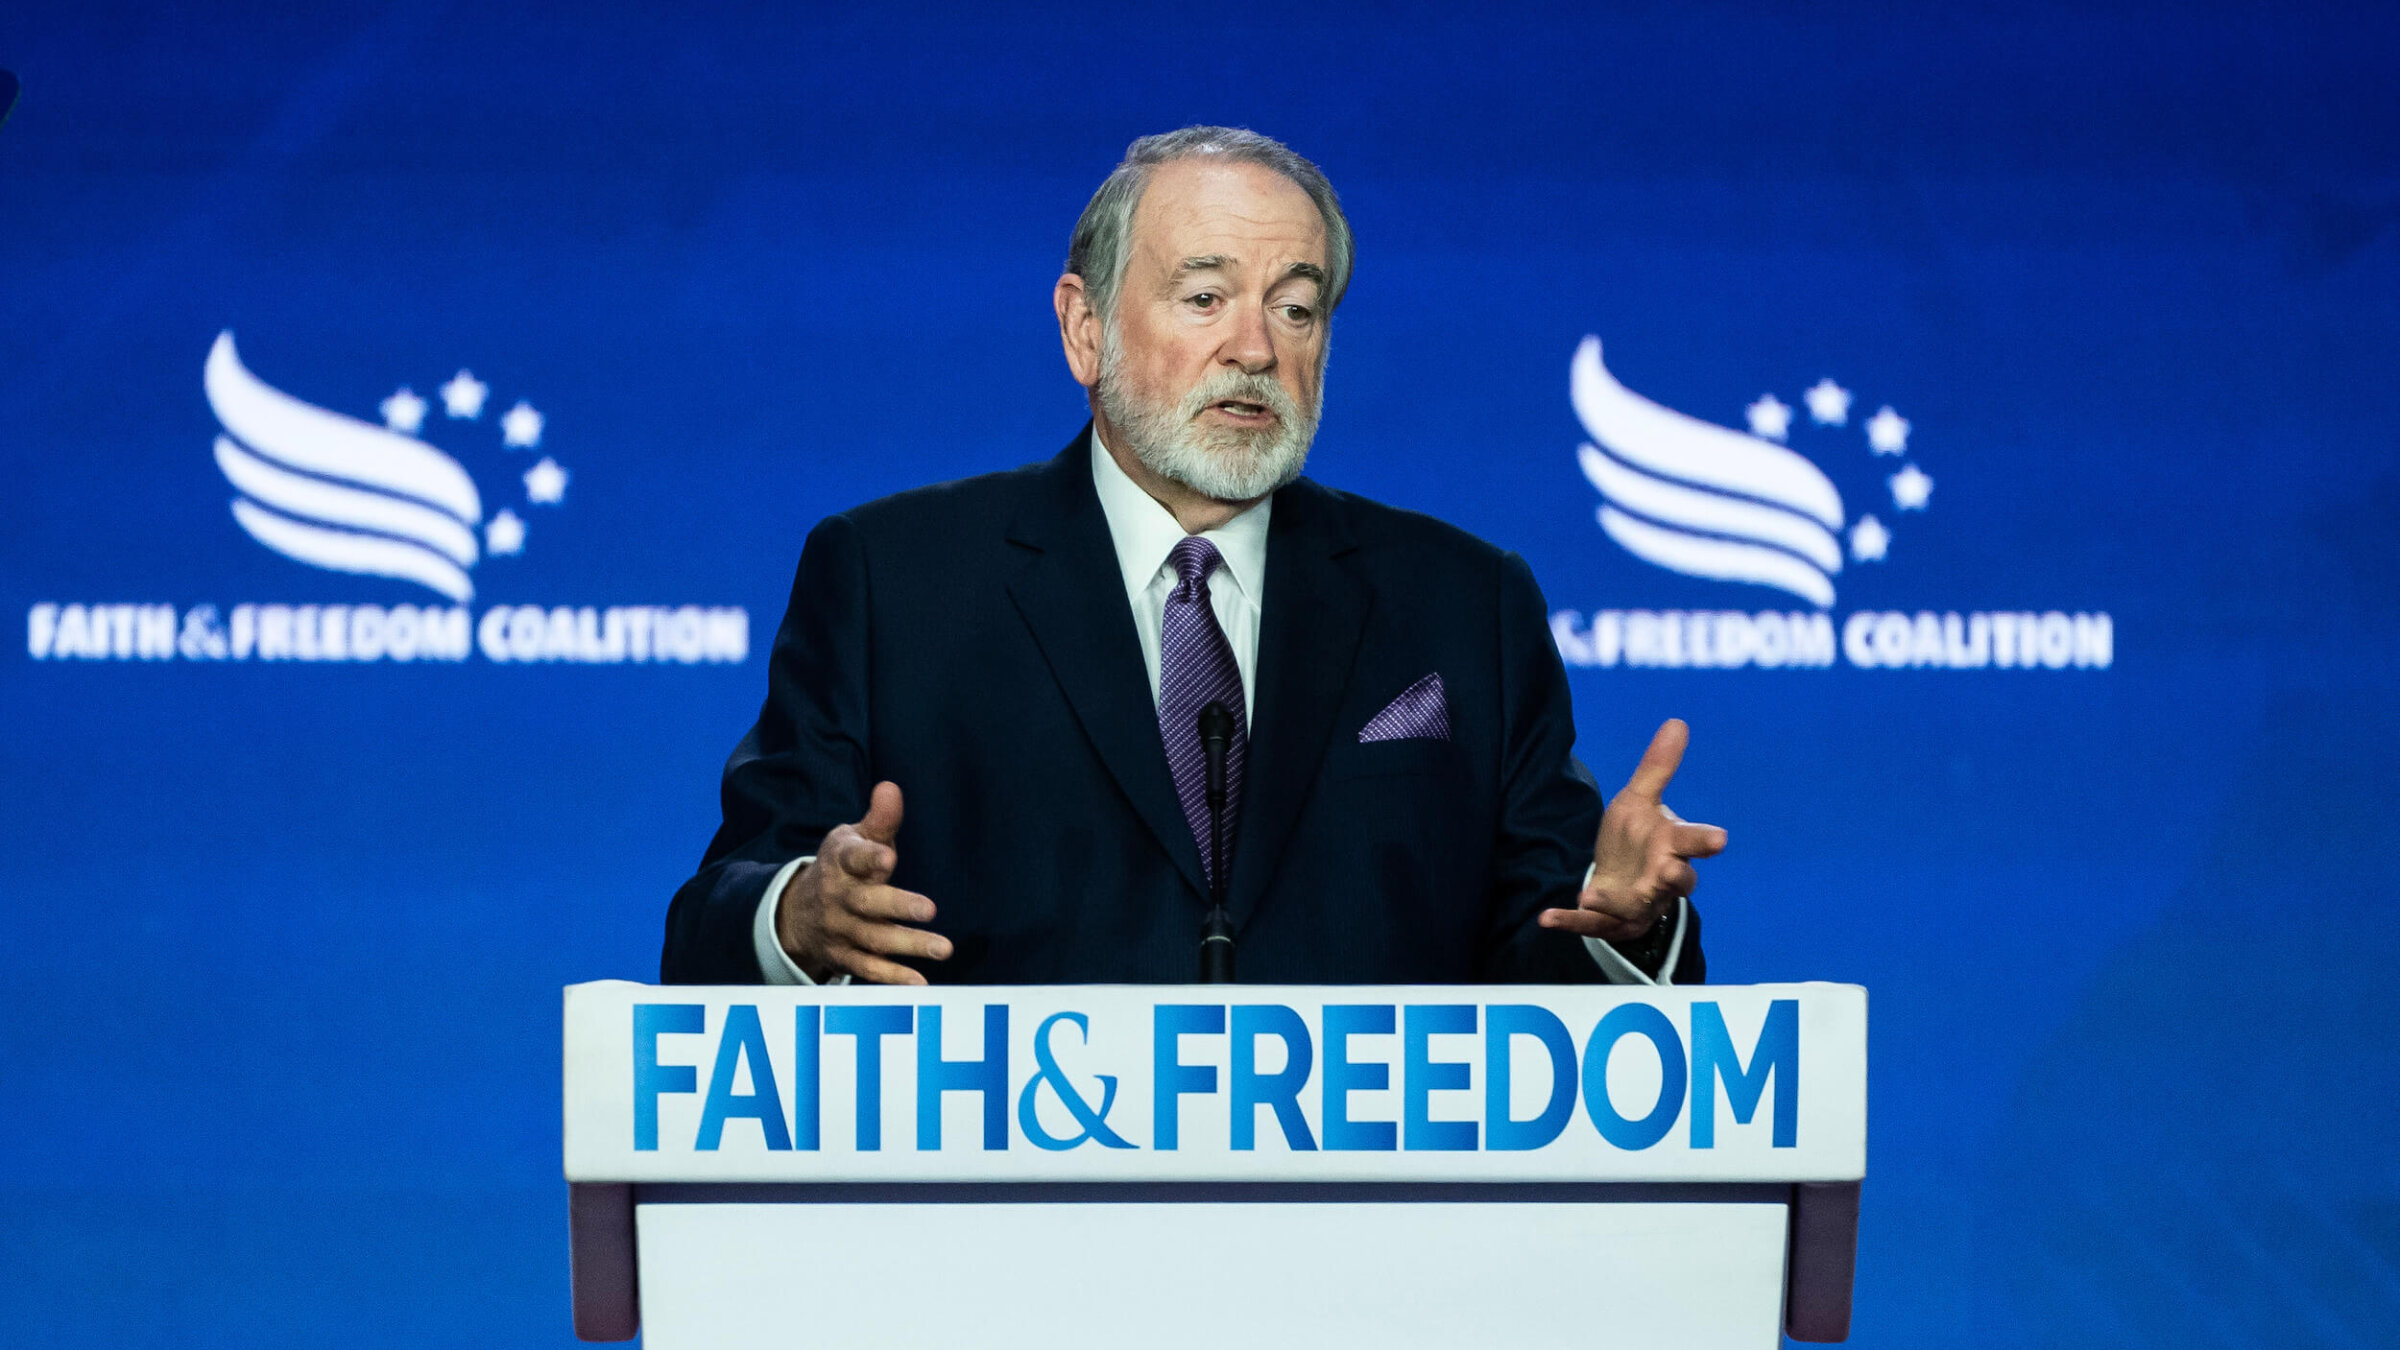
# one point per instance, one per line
(838, 915)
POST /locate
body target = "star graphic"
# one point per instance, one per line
(504, 533)
(1828, 403)
(403, 412)
(1911, 487)
(521, 426)
(1869, 540)
(1770, 417)
(463, 395)
(1887, 432)
(545, 482)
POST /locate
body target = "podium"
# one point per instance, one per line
(1205, 1165)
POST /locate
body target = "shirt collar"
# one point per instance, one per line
(1145, 532)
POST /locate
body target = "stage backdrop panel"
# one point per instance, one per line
(1977, 421)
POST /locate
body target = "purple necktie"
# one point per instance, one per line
(1195, 665)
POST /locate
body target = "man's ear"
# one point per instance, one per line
(1078, 329)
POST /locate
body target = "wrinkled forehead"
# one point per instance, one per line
(1230, 216)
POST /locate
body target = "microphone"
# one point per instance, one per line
(1216, 931)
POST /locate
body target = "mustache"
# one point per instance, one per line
(1240, 386)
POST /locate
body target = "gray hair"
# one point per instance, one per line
(1097, 252)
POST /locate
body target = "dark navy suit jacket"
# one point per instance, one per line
(971, 642)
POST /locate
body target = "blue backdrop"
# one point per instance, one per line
(282, 937)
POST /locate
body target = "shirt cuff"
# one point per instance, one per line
(1618, 969)
(775, 964)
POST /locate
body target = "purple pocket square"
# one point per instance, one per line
(1422, 712)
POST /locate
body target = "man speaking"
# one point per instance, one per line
(981, 759)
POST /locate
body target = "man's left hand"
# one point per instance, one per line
(1642, 860)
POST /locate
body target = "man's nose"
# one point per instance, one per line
(1250, 345)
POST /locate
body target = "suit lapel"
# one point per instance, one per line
(1310, 621)
(1070, 595)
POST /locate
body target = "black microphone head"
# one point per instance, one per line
(1216, 722)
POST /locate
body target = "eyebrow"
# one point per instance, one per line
(1218, 262)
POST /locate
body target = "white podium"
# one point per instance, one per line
(1201, 1165)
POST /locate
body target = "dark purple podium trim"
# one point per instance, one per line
(608, 1299)
(1821, 1261)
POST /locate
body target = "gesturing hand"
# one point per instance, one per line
(1641, 859)
(839, 916)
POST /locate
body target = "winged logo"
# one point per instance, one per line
(338, 493)
(1701, 499)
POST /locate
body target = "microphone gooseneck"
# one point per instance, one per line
(1216, 931)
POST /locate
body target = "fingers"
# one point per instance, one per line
(1660, 761)
(1695, 841)
(872, 919)
(1641, 859)
(1675, 878)
(864, 850)
(1623, 916)
(882, 823)
(864, 923)
(890, 939)
(862, 937)
(1604, 910)
(1593, 923)
(1627, 909)
(857, 856)
(840, 914)
(864, 962)
(875, 970)
(887, 904)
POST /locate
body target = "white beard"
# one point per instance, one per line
(1230, 464)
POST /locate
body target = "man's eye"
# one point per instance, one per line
(1205, 299)
(1298, 313)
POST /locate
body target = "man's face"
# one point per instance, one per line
(1213, 362)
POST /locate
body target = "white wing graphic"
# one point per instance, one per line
(1701, 499)
(339, 493)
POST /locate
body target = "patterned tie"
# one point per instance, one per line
(1195, 665)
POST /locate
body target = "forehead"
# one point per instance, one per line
(1250, 215)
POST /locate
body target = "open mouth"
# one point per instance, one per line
(1238, 408)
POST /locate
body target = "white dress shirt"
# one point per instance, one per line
(1145, 533)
